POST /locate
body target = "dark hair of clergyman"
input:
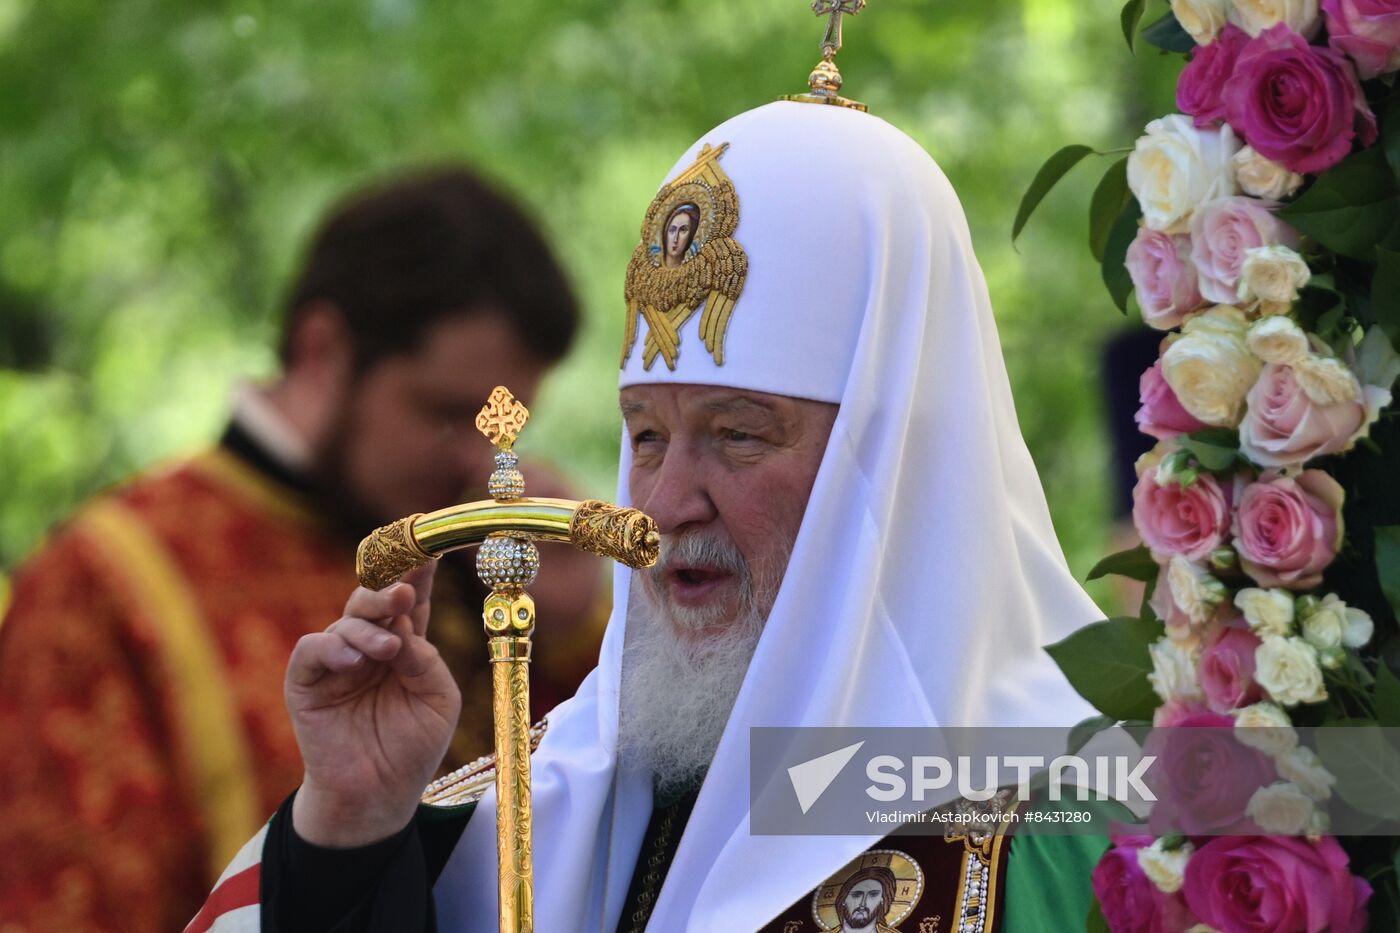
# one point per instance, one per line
(397, 257)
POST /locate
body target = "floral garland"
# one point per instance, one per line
(1260, 229)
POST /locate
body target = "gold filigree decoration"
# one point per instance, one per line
(388, 552)
(628, 536)
(502, 418)
(711, 274)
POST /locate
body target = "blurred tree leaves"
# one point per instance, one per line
(161, 162)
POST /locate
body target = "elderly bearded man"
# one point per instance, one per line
(854, 534)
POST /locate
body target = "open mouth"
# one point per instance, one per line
(695, 585)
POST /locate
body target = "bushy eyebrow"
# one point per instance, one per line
(634, 408)
(738, 405)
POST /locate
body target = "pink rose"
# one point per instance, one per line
(1297, 104)
(1162, 414)
(1227, 669)
(1131, 903)
(1175, 712)
(1191, 522)
(1244, 884)
(1283, 427)
(1222, 232)
(1203, 777)
(1198, 92)
(1163, 277)
(1367, 31)
(1287, 529)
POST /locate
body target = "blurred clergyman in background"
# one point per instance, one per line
(143, 735)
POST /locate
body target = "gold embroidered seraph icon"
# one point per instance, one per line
(687, 258)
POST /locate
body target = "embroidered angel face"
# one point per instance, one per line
(679, 233)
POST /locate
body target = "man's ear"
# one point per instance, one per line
(320, 350)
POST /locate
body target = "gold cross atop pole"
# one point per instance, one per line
(831, 42)
(502, 418)
(825, 79)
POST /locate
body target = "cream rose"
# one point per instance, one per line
(1288, 669)
(1255, 16)
(1332, 624)
(1166, 868)
(1325, 625)
(1278, 340)
(1263, 178)
(1194, 591)
(1176, 167)
(1302, 766)
(1266, 727)
(1268, 612)
(1327, 380)
(1203, 19)
(1271, 277)
(1174, 667)
(1281, 809)
(1210, 368)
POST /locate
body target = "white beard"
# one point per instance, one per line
(682, 669)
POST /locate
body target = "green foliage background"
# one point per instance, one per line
(162, 161)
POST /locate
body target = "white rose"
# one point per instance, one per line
(1271, 277)
(1287, 668)
(1166, 868)
(1255, 16)
(1264, 178)
(1302, 766)
(1318, 825)
(1326, 381)
(1195, 591)
(1174, 666)
(1278, 340)
(1359, 628)
(1268, 612)
(1176, 167)
(1325, 625)
(1281, 809)
(1266, 727)
(1210, 368)
(1203, 19)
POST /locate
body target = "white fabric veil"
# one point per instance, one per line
(926, 577)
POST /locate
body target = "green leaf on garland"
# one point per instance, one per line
(1110, 198)
(1366, 765)
(1168, 35)
(1107, 663)
(1216, 449)
(1351, 208)
(1135, 564)
(1096, 922)
(1388, 563)
(1130, 18)
(1115, 255)
(1080, 735)
(1387, 696)
(1385, 293)
(1390, 132)
(1055, 168)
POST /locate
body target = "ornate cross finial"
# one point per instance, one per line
(502, 418)
(825, 79)
(831, 42)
